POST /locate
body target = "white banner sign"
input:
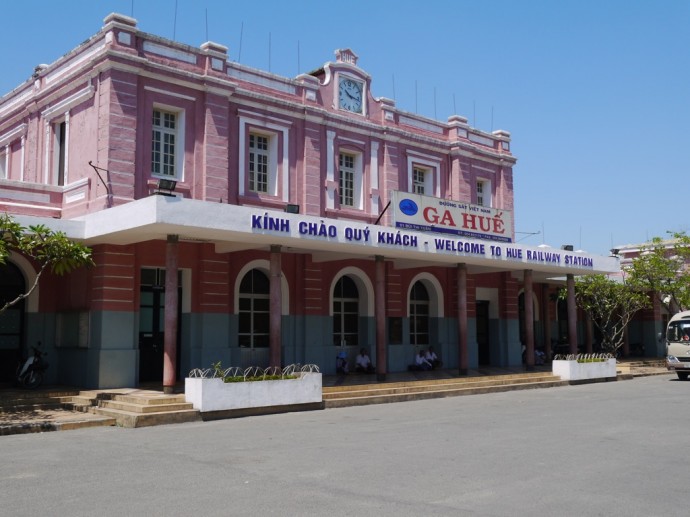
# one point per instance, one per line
(432, 214)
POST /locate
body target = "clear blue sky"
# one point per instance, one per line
(596, 94)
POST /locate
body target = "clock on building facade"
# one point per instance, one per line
(350, 95)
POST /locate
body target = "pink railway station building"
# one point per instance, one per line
(244, 217)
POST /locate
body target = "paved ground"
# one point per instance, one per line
(40, 420)
(597, 449)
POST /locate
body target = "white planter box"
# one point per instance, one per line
(216, 395)
(574, 371)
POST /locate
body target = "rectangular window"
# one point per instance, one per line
(3, 164)
(483, 193)
(423, 174)
(258, 163)
(60, 151)
(164, 143)
(418, 180)
(419, 324)
(347, 180)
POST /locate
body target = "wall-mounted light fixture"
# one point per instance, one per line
(166, 185)
(292, 209)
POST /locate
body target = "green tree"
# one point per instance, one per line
(662, 267)
(611, 304)
(49, 250)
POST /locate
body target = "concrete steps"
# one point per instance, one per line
(41, 411)
(56, 410)
(363, 394)
(146, 409)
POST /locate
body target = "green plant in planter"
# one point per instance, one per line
(218, 370)
(220, 373)
(584, 358)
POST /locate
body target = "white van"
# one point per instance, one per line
(678, 345)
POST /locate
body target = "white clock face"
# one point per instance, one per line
(350, 95)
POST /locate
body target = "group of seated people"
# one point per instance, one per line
(426, 360)
(539, 356)
(362, 363)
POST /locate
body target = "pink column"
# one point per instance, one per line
(546, 320)
(170, 315)
(528, 323)
(276, 308)
(462, 320)
(380, 316)
(572, 314)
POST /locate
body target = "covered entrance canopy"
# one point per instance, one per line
(235, 228)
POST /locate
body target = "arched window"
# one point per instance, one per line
(419, 315)
(254, 310)
(345, 312)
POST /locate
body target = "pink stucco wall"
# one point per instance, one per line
(131, 72)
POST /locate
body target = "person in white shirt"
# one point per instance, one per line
(432, 358)
(421, 361)
(363, 363)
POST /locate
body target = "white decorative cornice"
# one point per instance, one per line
(68, 103)
(264, 79)
(170, 52)
(12, 135)
(67, 67)
(169, 93)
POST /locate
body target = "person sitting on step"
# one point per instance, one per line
(421, 361)
(363, 363)
(432, 358)
(341, 365)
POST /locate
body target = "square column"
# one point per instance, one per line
(572, 313)
(380, 316)
(170, 314)
(528, 323)
(462, 320)
(276, 309)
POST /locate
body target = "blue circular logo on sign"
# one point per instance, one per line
(408, 207)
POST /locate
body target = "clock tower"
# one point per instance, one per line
(350, 84)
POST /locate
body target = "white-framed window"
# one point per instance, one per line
(423, 174)
(4, 154)
(483, 189)
(263, 160)
(167, 148)
(60, 130)
(419, 314)
(350, 179)
(8, 147)
(419, 180)
(254, 310)
(346, 168)
(345, 312)
(258, 173)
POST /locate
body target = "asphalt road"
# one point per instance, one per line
(598, 449)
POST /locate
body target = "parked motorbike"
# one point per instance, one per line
(30, 373)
